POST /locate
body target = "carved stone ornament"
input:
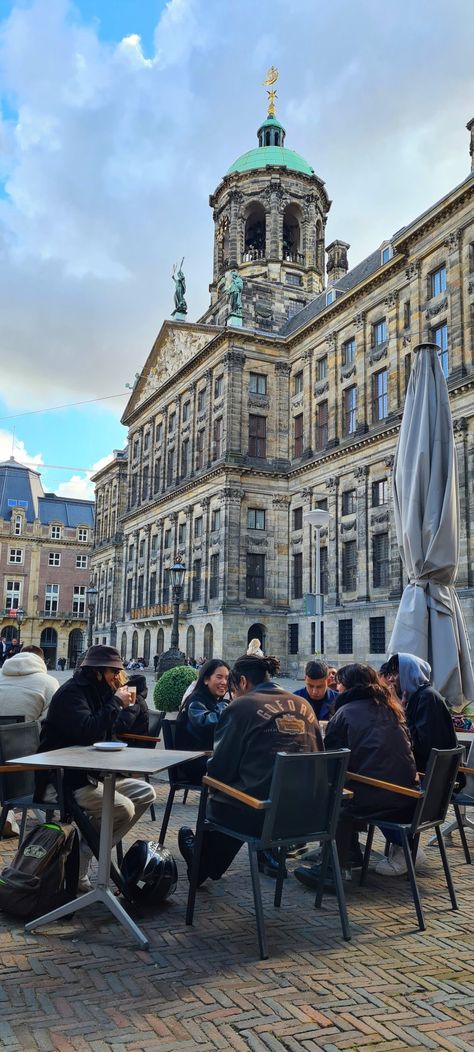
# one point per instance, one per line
(233, 493)
(255, 401)
(389, 461)
(347, 371)
(283, 367)
(280, 502)
(361, 472)
(378, 353)
(331, 340)
(296, 402)
(321, 386)
(453, 239)
(205, 502)
(236, 197)
(379, 518)
(173, 516)
(177, 349)
(307, 492)
(307, 355)
(460, 424)
(358, 320)
(332, 483)
(297, 538)
(432, 309)
(257, 542)
(470, 287)
(234, 359)
(348, 527)
(412, 270)
(406, 340)
(391, 300)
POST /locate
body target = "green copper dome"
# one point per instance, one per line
(271, 151)
(265, 155)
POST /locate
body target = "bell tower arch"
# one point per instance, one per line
(270, 213)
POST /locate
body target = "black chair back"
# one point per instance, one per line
(18, 739)
(6, 720)
(155, 722)
(438, 785)
(168, 728)
(305, 794)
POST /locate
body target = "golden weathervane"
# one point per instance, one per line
(270, 79)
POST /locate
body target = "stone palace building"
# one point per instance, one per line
(289, 401)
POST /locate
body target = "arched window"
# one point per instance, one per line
(291, 235)
(257, 631)
(191, 642)
(160, 641)
(49, 644)
(123, 646)
(208, 642)
(146, 647)
(254, 242)
(135, 645)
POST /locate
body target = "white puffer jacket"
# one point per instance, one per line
(26, 688)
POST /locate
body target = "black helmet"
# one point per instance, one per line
(150, 872)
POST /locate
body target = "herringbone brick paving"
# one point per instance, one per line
(82, 985)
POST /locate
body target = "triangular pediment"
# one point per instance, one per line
(175, 346)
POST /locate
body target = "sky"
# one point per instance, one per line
(119, 117)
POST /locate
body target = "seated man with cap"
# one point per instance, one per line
(92, 707)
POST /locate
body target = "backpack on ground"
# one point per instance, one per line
(44, 872)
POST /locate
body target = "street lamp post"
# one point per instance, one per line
(174, 656)
(91, 594)
(20, 617)
(317, 518)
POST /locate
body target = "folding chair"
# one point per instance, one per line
(303, 806)
(176, 776)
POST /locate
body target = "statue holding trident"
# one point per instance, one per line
(180, 306)
(235, 294)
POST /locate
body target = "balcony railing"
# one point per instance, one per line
(138, 613)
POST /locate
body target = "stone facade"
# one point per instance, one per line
(235, 432)
(45, 551)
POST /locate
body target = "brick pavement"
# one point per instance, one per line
(84, 985)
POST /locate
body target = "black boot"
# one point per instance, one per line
(268, 864)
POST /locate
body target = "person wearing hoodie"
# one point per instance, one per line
(428, 718)
(26, 688)
(430, 727)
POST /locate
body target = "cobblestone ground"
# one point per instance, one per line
(83, 984)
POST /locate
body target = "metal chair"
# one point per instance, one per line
(146, 741)
(465, 798)
(430, 813)
(176, 776)
(17, 790)
(303, 806)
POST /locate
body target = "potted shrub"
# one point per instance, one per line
(169, 689)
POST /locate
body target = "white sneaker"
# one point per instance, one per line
(11, 827)
(83, 885)
(394, 865)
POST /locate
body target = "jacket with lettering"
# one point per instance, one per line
(252, 730)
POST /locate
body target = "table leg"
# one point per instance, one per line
(102, 892)
(449, 828)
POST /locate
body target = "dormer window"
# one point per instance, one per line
(386, 253)
(330, 296)
(56, 533)
(83, 534)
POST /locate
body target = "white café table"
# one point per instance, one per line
(109, 765)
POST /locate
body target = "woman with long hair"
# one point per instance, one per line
(200, 712)
(369, 721)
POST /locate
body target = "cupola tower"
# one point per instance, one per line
(269, 213)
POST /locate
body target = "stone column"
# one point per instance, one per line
(363, 556)
(235, 198)
(189, 557)
(334, 588)
(178, 437)
(282, 568)
(233, 366)
(334, 390)
(465, 572)
(308, 404)
(454, 275)
(124, 576)
(205, 502)
(413, 274)
(146, 567)
(173, 517)
(282, 371)
(209, 404)
(192, 429)
(231, 568)
(360, 322)
(392, 353)
(396, 567)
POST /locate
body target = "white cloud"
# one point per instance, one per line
(80, 486)
(10, 446)
(109, 162)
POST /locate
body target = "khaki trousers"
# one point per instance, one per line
(132, 797)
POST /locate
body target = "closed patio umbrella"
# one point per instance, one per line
(429, 622)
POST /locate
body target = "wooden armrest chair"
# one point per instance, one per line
(430, 812)
(303, 806)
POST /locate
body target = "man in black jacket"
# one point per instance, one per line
(90, 708)
(263, 720)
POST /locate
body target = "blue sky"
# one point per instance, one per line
(119, 117)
